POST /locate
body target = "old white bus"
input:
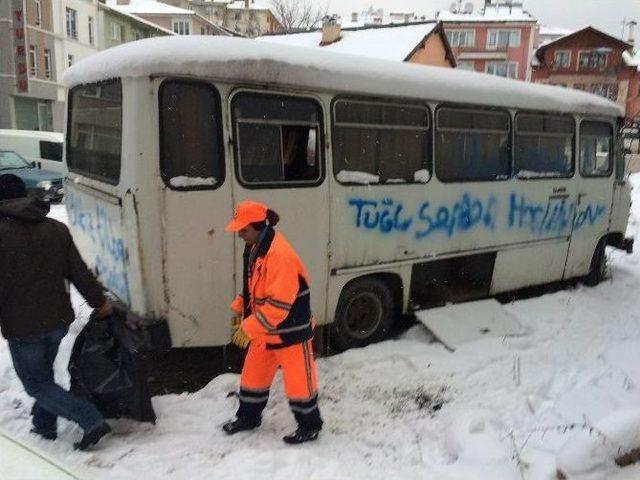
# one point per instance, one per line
(398, 184)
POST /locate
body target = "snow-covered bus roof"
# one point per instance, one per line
(248, 61)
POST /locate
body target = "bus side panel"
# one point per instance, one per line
(511, 273)
(95, 221)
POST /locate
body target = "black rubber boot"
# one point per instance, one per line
(93, 436)
(302, 435)
(239, 425)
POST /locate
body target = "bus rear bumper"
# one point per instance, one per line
(621, 243)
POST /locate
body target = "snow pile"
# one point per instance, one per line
(531, 174)
(495, 409)
(422, 176)
(181, 182)
(363, 178)
(591, 451)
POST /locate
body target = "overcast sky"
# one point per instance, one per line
(606, 15)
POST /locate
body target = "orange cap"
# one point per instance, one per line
(245, 213)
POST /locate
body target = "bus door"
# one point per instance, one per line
(539, 208)
(197, 253)
(595, 186)
(280, 161)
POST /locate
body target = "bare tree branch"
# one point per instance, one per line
(295, 15)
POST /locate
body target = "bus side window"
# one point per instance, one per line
(376, 142)
(191, 155)
(472, 145)
(596, 149)
(544, 146)
(277, 139)
(95, 131)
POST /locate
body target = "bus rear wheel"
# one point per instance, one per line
(364, 314)
(598, 268)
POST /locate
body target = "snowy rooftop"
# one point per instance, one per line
(555, 31)
(387, 43)
(141, 20)
(149, 7)
(631, 60)
(233, 59)
(491, 13)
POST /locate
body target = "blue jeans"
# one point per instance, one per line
(33, 359)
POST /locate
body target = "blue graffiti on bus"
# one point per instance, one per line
(110, 254)
(464, 215)
(385, 215)
(555, 216)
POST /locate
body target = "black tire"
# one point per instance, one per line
(364, 314)
(598, 269)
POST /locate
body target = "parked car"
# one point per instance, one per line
(44, 148)
(44, 183)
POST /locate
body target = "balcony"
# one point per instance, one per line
(475, 53)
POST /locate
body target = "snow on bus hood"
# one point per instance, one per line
(226, 58)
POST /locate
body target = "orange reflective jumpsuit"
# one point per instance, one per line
(276, 311)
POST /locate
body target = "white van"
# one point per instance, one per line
(399, 185)
(43, 148)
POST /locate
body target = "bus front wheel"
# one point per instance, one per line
(364, 314)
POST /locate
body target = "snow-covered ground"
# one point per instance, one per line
(566, 394)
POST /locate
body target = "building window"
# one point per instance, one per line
(596, 59)
(544, 146)
(562, 59)
(503, 38)
(181, 27)
(33, 60)
(47, 64)
(472, 145)
(72, 24)
(468, 65)
(461, 38)
(278, 140)
(191, 145)
(38, 7)
(116, 32)
(503, 69)
(377, 142)
(70, 60)
(91, 35)
(606, 90)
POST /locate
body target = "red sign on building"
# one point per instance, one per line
(19, 46)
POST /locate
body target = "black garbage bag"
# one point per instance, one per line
(109, 367)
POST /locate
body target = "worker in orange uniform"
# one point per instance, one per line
(276, 317)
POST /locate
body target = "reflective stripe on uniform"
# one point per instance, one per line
(297, 328)
(278, 304)
(263, 321)
(298, 409)
(246, 399)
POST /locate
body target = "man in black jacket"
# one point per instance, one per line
(37, 260)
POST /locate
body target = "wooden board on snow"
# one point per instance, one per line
(461, 323)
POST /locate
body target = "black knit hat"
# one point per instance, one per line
(11, 186)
